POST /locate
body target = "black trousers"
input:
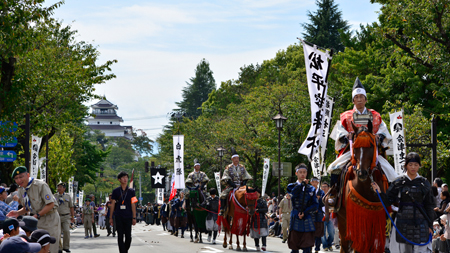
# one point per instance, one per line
(108, 226)
(123, 226)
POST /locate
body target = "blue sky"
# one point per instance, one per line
(159, 43)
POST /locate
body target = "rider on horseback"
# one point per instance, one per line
(197, 180)
(343, 130)
(234, 176)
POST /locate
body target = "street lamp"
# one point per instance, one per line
(279, 120)
(221, 150)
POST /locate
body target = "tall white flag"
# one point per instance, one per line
(217, 177)
(71, 187)
(266, 170)
(43, 169)
(160, 195)
(178, 145)
(398, 137)
(35, 146)
(317, 163)
(316, 63)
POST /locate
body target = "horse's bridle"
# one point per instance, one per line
(369, 141)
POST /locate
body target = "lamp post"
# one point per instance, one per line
(221, 150)
(279, 120)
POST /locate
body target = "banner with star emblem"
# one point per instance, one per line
(317, 64)
(178, 161)
(398, 137)
(158, 177)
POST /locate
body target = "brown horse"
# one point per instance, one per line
(361, 218)
(240, 208)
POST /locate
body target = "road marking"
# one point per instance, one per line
(142, 240)
(210, 250)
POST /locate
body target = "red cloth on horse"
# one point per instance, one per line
(240, 220)
(347, 119)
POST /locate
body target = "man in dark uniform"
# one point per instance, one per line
(304, 203)
(319, 214)
(123, 206)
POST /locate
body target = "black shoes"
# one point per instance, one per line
(66, 250)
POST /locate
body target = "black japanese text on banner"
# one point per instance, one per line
(178, 145)
(316, 63)
(398, 137)
(35, 146)
(317, 163)
(217, 178)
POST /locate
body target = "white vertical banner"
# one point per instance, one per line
(80, 199)
(317, 163)
(266, 170)
(43, 169)
(35, 146)
(398, 137)
(217, 177)
(160, 196)
(316, 63)
(71, 187)
(178, 145)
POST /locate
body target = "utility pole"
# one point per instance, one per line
(140, 189)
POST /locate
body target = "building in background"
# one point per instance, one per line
(106, 120)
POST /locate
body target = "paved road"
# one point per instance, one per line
(154, 239)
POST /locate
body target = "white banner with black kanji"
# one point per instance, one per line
(178, 145)
(35, 146)
(316, 63)
(266, 170)
(217, 178)
(160, 196)
(398, 138)
(318, 161)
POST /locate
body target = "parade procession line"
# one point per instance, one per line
(154, 239)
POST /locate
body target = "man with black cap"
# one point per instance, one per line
(212, 205)
(66, 215)
(37, 198)
(42, 237)
(359, 116)
(234, 176)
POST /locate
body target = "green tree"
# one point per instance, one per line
(326, 25)
(197, 90)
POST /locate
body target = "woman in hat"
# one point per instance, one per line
(415, 216)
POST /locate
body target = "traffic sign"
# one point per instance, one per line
(8, 126)
(8, 142)
(141, 198)
(8, 156)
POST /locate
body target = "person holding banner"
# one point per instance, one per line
(196, 179)
(123, 207)
(234, 176)
(37, 198)
(343, 130)
(304, 203)
(66, 215)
